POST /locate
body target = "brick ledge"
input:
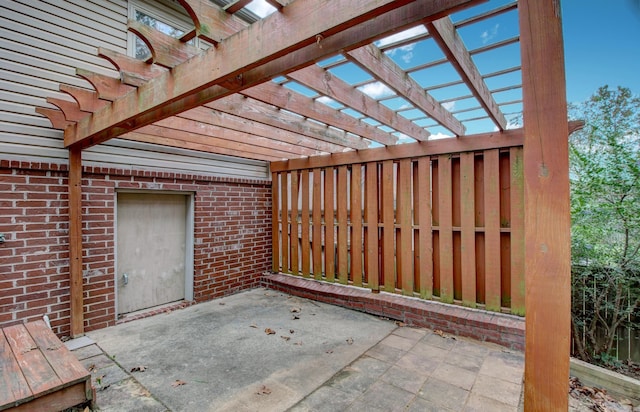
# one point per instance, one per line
(502, 329)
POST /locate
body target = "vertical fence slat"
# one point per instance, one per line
(304, 221)
(404, 249)
(423, 202)
(388, 227)
(329, 234)
(275, 225)
(371, 216)
(294, 239)
(445, 237)
(468, 228)
(317, 223)
(343, 247)
(356, 225)
(517, 231)
(492, 229)
(284, 204)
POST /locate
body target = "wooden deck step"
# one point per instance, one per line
(38, 373)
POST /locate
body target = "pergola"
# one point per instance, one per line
(239, 97)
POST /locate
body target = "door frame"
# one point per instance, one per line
(189, 241)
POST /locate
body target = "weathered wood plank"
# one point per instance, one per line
(547, 222)
(14, 385)
(445, 34)
(317, 224)
(75, 242)
(371, 231)
(304, 239)
(517, 232)
(484, 141)
(445, 233)
(356, 225)
(388, 226)
(295, 239)
(404, 247)
(284, 98)
(284, 218)
(342, 197)
(492, 229)
(467, 225)
(39, 375)
(371, 59)
(275, 224)
(211, 22)
(425, 236)
(329, 225)
(59, 400)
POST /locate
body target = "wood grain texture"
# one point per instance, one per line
(295, 237)
(404, 245)
(468, 229)
(75, 242)
(517, 232)
(425, 245)
(275, 223)
(547, 226)
(14, 385)
(342, 197)
(492, 229)
(305, 223)
(284, 219)
(388, 226)
(371, 216)
(445, 233)
(356, 249)
(317, 224)
(329, 225)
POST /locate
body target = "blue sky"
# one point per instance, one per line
(602, 45)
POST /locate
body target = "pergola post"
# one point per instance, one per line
(547, 221)
(75, 241)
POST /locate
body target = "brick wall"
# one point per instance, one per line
(232, 239)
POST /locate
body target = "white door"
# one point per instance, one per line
(151, 249)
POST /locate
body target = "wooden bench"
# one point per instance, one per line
(37, 371)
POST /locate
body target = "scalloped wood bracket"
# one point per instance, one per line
(165, 50)
(56, 117)
(88, 100)
(71, 110)
(132, 69)
(108, 88)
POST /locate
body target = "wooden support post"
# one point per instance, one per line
(75, 242)
(547, 213)
(275, 223)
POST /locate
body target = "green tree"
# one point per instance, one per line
(605, 210)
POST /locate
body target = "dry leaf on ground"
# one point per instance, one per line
(350, 341)
(439, 333)
(286, 338)
(263, 390)
(253, 325)
(295, 310)
(295, 317)
(400, 324)
(269, 331)
(178, 382)
(140, 368)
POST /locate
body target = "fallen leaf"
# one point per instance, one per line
(253, 325)
(269, 331)
(439, 333)
(286, 338)
(263, 391)
(400, 324)
(350, 341)
(329, 351)
(295, 317)
(291, 331)
(92, 367)
(139, 368)
(295, 310)
(178, 382)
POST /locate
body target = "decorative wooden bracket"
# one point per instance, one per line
(108, 88)
(165, 50)
(211, 23)
(132, 71)
(56, 117)
(71, 110)
(87, 99)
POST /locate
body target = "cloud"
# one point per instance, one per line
(414, 31)
(376, 90)
(439, 135)
(449, 105)
(326, 100)
(488, 35)
(407, 57)
(261, 8)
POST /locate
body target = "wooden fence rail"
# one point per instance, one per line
(446, 227)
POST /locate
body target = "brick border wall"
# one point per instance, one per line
(232, 237)
(503, 329)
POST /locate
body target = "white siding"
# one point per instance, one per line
(42, 42)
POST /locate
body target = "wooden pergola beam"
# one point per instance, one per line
(255, 110)
(195, 82)
(446, 36)
(211, 22)
(315, 77)
(75, 242)
(279, 96)
(233, 122)
(374, 61)
(547, 220)
(236, 6)
(165, 50)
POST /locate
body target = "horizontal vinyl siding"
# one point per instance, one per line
(42, 42)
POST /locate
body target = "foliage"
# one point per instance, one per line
(605, 210)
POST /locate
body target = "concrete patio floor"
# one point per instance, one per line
(222, 356)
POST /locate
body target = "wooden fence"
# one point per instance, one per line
(446, 227)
